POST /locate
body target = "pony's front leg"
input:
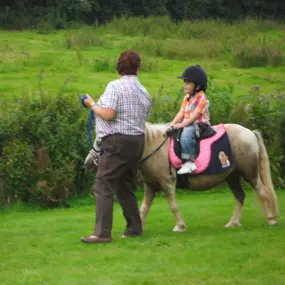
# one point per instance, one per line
(149, 194)
(170, 191)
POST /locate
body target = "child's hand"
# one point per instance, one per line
(178, 126)
(168, 132)
(88, 101)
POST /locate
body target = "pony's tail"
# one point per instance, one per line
(265, 175)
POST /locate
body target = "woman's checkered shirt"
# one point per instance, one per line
(131, 102)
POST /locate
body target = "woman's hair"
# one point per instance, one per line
(128, 63)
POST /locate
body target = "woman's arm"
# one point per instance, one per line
(104, 113)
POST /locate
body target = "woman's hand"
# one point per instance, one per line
(88, 101)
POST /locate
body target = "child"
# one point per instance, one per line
(194, 108)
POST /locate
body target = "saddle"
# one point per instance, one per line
(213, 150)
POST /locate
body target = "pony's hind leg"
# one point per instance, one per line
(235, 185)
(170, 191)
(262, 194)
(149, 193)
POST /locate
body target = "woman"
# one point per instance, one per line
(120, 122)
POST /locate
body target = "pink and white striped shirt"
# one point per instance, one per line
(131, 102)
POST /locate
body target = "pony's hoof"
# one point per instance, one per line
(179, 229)
(233, 225)
(272, 222)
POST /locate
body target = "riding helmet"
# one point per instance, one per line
(195, 74)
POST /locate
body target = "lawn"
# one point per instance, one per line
(80, 61)
(43, 247)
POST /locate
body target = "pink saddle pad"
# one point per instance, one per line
(203, 159)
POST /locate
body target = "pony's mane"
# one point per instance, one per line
(154, 130)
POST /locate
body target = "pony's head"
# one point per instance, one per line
(92, 160)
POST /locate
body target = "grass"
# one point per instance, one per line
(85, 58)
(42, 247)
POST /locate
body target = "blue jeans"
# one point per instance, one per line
(188, 143)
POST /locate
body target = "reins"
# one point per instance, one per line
(156, 150)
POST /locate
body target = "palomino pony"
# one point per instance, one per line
(250, 162)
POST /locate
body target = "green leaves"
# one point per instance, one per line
(60, 14)
(44, 146)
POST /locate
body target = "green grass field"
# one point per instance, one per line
(43, 247)
(80, 61)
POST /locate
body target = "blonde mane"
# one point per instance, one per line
(152, 131)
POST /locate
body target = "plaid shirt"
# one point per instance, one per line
(131, 102)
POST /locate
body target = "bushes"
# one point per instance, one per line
(43, 142)
(252, 55)
(164, 106)
(246, 43)
(83, 38)
(179, 49)
(43, 150)
(103, 64)
(163, 28)
(60, 14)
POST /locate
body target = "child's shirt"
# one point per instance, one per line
(199, 103)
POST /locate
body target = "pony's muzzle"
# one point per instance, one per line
(92, 161)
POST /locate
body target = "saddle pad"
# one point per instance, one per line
(203, 160)
(221, 157)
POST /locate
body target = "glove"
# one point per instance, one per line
(169, 132)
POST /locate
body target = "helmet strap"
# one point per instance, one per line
(195, 91)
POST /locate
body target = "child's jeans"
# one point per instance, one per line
(188, 143)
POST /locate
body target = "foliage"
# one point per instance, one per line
(43, 150)
(245, 43)
(42, 138)
(17, 14)
(247, 55)
(42, 146)
(86, 38)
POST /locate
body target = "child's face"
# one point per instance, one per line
(189, 87)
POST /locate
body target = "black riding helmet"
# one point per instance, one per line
(195, 74)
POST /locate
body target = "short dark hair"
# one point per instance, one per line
(128, 63)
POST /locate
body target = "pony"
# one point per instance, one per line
(250, 162)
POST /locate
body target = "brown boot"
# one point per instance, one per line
(96, 239)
